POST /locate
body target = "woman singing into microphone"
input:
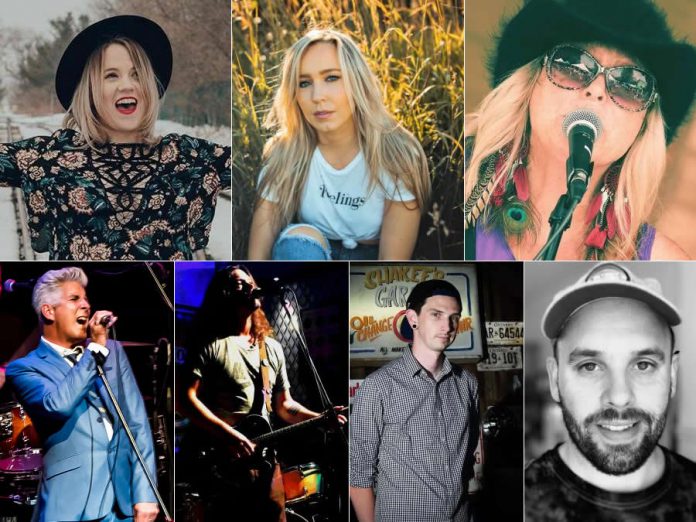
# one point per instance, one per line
(351, 177)
(105, 186)
(618, 64)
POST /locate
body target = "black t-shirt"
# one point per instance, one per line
(554, 493)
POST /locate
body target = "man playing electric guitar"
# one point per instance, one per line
(241, 373)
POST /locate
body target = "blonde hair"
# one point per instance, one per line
(84, 112)
(502, 120)
(387, 146)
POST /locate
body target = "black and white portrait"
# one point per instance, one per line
(608, 399)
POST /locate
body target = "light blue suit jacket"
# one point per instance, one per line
(84, 473)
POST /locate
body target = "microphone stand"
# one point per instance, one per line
(131, 439)
(158, 397)
(327, 405)
(562, 213)
(100, 371)
(160, 287)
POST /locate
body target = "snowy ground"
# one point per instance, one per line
(9, 240)
(219, 247)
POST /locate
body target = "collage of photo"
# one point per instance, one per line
(347, 261)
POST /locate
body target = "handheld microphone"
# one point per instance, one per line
(257, 293)
(105, 320)
(582, 127)
(267, 291)
(10, 285)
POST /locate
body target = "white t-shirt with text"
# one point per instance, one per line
(338, 203)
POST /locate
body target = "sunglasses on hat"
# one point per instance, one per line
(628, 86)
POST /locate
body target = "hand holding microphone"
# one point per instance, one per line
(107, 320)
(99, 325)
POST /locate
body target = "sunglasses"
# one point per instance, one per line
(628, 86)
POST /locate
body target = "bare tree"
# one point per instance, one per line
(200, 35)
(37, 63)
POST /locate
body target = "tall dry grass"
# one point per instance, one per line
(415, 48)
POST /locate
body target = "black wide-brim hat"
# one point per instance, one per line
(637, 28)
(150, 36)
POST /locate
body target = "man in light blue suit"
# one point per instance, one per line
(90, 471)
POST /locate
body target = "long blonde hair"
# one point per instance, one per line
(502, 120)
(387, 146)
(86, 106)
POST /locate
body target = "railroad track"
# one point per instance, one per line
(10, 132)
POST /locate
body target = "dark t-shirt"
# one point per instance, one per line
(554, 493)
(229, 370)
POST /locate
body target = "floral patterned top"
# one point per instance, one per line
(122, 201)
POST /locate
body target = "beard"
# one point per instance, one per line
(616, 459)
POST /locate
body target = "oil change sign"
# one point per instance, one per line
(378, 296)
(355, 385)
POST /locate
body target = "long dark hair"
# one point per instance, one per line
(214, 319)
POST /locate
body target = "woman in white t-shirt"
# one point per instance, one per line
(351, 180)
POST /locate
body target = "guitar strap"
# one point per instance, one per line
(263, 359)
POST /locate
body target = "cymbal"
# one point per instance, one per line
(136, 344)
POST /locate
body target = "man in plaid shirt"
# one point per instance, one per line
(415, 422)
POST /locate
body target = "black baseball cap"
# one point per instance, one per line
(423, 291)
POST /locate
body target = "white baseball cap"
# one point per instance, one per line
(606, 280)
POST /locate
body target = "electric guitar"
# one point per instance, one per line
(257, 429)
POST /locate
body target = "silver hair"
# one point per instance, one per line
(47, 288)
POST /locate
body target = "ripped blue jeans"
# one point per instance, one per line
(302, 247)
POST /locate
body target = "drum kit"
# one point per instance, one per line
(306, 499)
(21, 466)
(20, 461)
(304, 493)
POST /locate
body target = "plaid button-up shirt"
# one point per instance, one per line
(412, 439)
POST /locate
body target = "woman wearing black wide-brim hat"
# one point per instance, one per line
(615, 64)
(104, 186)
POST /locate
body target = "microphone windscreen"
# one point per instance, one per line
(584, 117)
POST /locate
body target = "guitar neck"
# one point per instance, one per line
(271, 437)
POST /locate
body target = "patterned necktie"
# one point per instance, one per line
(74, 355)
